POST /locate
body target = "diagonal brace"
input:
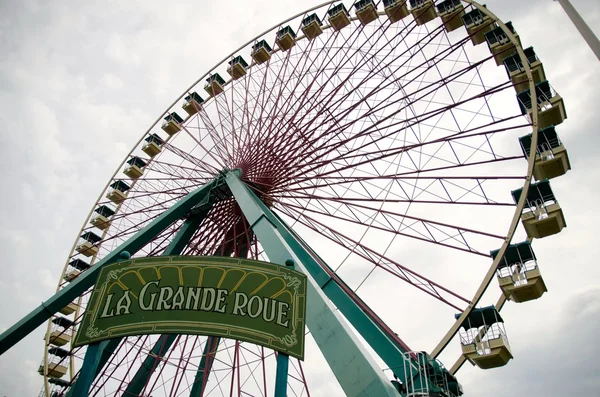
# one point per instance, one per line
(199, 197)
(356, 371)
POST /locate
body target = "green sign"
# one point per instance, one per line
(257, 302)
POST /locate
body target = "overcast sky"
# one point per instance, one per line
(81, 81)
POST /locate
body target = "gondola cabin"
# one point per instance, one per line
(423, 11)
(542, 215)
(338, 17)
(192, 103)
(237, 67)
(451, 12)
(214, 85)
(59, 337)
(428, 377)
(477, 24)
(261, 52)
(551, 107)
(76, 266)
(71, 275)
(499, 43)
(483, 338)
(101, 217)
(135, 167)
(312, 26)
(286, 38)
(153, 145)
(57, 363)
(60, 334)
(88, 244)
(516, 71)
(551, 158)
(518, 273)
(59, 388)
(70, 308)
(366, 12)
(396, 9)
(172, 124)
(118, 191)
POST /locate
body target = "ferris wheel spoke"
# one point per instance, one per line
(331, 181)
(371, 129)
(352, 200)
(362, 214)
(334, 91)
(199, 163)
(195, 167)
(118, 359)
(342, 99)
(315, 165)
(422, 283)
(219, 143)
(305, 86)
(420, 229)
(360, 152)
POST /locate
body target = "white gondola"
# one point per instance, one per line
(172, 124)
(338, 17)
(366, 12)
(451, 12)
(118, 192)
(483, 339)
(286, 38)
(499, 43)
(423, 11)
(312, 26)
(396, 10)
(214, 85)
(192, 103)
(542, 215)
(550, 105)
(153, 145)
(135, 167)
(261, 52)
(518, 274)
(477, 24)
(237, 67)
(551, 157)
(516, 71)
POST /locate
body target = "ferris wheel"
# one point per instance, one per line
(402, 151)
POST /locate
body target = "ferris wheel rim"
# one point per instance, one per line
(512, 228)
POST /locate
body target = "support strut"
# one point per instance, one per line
(196, 200)
(356, 371)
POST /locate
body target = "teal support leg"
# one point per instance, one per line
(86, 375)
(283, 361)
(208, 358)
(198, 199)
(356, 371)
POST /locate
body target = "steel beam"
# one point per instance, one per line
(195, 200)
(356, 371)
(208, 358)
(364, 320)
(283, 362)
(586, 32)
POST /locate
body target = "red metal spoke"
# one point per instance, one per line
(426, 285)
